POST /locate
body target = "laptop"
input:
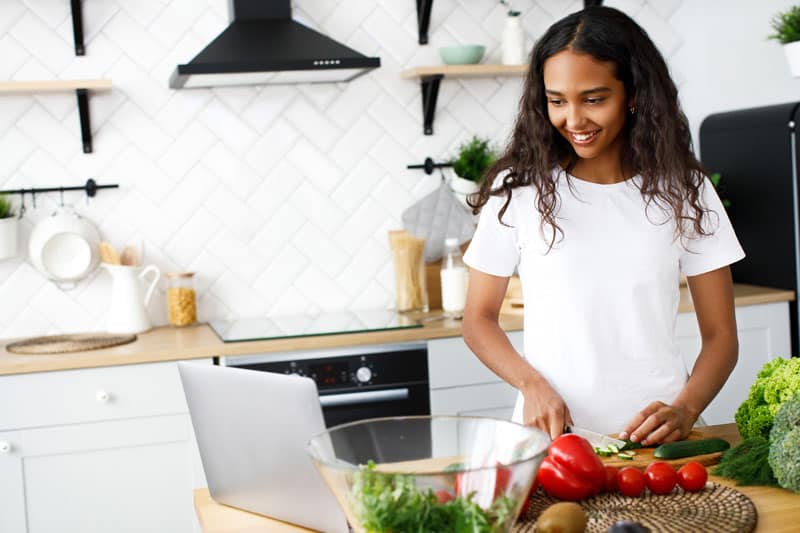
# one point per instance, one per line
(252, 429)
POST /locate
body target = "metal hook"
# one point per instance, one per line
(61, 190)
(33, 198)
(22, 205)
(444, 179)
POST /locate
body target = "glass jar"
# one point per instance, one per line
(181, 298)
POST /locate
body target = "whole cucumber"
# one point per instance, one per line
(688, 448)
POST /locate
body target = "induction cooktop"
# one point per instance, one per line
(331, 323)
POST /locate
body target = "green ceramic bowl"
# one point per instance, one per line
(462, 54)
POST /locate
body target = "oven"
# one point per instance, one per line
(355, 383)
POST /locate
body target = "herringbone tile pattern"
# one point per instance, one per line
(278, 197)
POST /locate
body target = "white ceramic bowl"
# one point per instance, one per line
(64, 245)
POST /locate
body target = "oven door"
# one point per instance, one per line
(339, 407)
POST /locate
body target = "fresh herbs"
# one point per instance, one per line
(747, 463)
(393, 503)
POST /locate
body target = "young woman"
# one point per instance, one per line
(600, 204)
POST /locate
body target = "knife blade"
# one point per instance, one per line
(598, 440)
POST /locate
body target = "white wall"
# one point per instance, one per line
(280, 197)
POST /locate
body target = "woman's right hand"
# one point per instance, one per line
(544, 408)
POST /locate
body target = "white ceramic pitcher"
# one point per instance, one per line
(128, 313)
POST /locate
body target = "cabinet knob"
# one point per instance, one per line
(102, 396)
(5, 446)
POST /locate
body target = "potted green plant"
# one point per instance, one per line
(8, 228)
(474, 158)
(787, 31)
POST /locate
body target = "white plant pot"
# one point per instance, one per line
(513, 42)
(463, 188)
(792, 52)
(8, 237)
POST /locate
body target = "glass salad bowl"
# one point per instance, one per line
(430, 473)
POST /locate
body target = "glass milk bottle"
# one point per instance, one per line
(454, 279)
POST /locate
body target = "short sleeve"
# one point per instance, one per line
(494, 249)
(705, 253)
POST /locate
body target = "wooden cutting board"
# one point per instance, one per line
(644, 456)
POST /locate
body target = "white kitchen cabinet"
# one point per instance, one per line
(763, 335)
(462, 385)
(97, 450)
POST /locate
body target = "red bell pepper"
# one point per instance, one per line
(571, 470)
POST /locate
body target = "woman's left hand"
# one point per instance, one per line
(658, 423)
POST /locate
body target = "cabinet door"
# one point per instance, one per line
(490, 399)
(132, 475)
(451, 363)
(763, 335)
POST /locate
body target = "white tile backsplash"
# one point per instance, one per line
(279, 197)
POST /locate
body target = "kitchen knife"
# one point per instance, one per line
(597, 440)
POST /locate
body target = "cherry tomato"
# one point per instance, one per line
(692, 476)
(611, 479)
(630, 481)
(660, 477)
(443, 496)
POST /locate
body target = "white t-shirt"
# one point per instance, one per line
(601, 306)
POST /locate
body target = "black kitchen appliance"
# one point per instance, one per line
(356, 382)
(756, 152)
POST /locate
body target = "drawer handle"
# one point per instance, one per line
(5, 446)
(102, 396)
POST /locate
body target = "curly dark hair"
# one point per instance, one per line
(657, 140)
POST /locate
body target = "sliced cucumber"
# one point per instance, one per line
(688, 448)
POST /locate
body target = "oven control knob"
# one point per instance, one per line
(363, 374)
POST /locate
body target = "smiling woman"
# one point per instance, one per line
(601, 205)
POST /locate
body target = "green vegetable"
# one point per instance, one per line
(630, 445)
(393, 503)
(778, 380)
(688, 448)
(747, 463)
(474, 157)
(6, 209)
(784, 449)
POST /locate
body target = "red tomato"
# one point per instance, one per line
(443, 496)
(630, 481)
(611, 479)
(660, 477)
(502, 480)
(692, 476)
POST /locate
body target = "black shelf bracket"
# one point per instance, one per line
(86, 126)
(77, 27)
(423, 19)
(430, 91)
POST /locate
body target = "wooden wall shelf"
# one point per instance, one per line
(430, 77)
(81, 88)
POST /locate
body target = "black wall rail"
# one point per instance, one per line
(91, 187)
(429, 165)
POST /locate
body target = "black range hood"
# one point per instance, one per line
(263, 45)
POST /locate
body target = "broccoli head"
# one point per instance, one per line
(784, 449)
(778, 380)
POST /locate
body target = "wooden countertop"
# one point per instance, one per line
(778, 509)
(173, 344)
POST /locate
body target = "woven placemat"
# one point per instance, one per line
(717, 508)
(51, 344)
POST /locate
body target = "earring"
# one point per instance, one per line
(632, 109)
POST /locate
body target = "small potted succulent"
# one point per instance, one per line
(474, 158)
(787, 32)
(8, 229)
